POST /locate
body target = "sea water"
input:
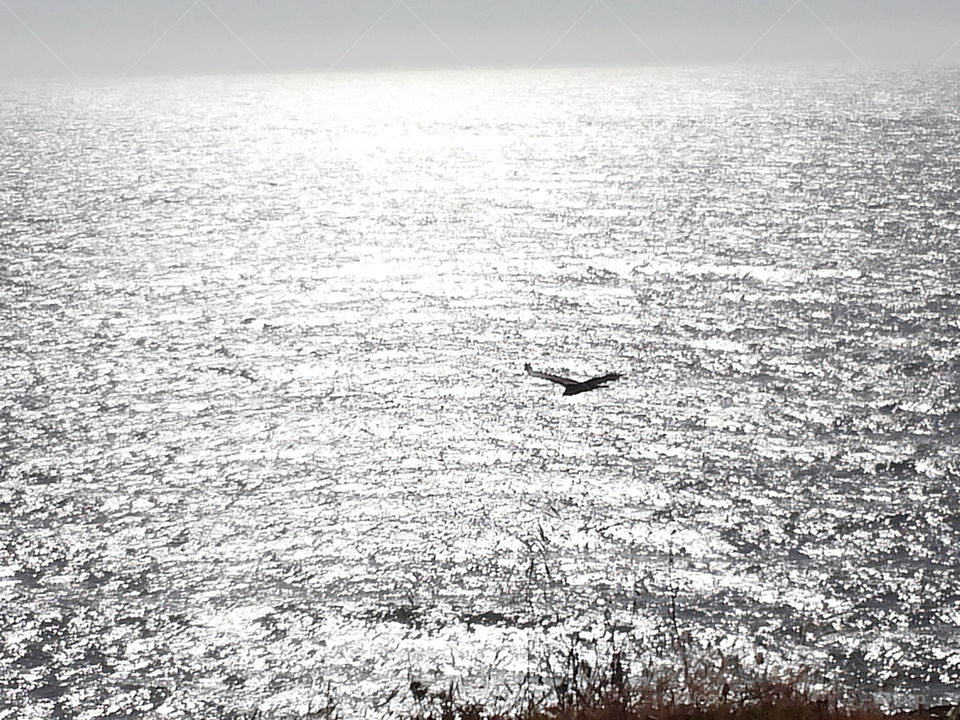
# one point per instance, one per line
(266, 443)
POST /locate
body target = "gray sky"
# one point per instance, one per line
(64, 37)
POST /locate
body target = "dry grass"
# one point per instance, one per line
(612, 695)
(773, 702)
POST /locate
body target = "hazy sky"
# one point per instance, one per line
(150, 36)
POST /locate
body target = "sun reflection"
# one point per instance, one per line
(265, 424)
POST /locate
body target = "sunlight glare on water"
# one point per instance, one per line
(264, 424)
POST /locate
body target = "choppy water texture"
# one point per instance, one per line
(264, 424)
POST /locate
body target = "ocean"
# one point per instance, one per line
(266, 441)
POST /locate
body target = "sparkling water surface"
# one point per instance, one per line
(265, 437)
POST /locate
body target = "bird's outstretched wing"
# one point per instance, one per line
(566, 382)
(598, 381)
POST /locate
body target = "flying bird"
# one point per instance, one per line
(572, 387)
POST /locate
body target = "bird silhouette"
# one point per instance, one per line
(572, 387)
